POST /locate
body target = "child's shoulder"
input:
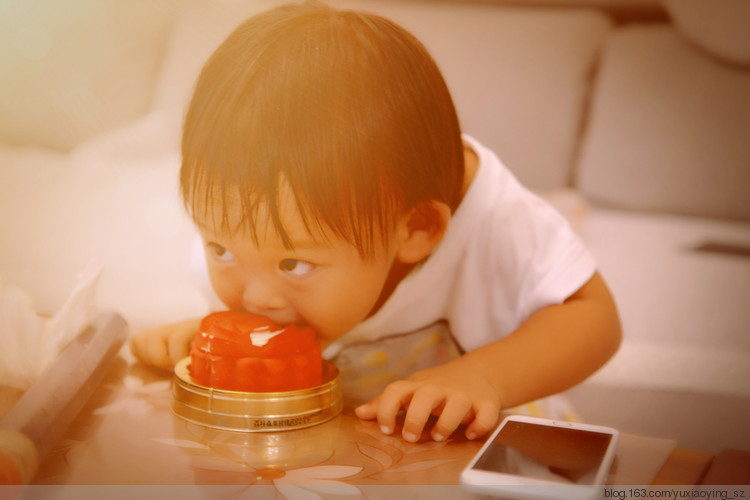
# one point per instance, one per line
(496, 200)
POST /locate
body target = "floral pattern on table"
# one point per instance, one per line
(343, 450)
(127, 435)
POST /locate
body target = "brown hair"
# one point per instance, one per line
(348, 108)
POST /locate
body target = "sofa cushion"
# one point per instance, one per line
(519, 77)
(61, 213)
(668, 129)
(721, 27)
(683, 308)
(74, 68)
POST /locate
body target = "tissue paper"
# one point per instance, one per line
(31, 342)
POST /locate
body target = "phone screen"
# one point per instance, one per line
(546, 452)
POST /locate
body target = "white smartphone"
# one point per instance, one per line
(531, 457)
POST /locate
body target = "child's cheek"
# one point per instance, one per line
(227, 288)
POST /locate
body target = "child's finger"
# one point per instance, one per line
(178, 343)
(455, 412)
(487, 414)
(151, 349)
(423, 402)
(135, 347)
(368, 411)
(394, 397)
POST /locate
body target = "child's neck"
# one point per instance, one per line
(398, 272)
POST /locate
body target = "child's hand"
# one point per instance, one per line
(164, 346)
(455, 392)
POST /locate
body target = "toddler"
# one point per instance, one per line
(324, 166)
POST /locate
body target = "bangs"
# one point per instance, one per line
(303, 97)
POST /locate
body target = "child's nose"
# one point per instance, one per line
(259, 297)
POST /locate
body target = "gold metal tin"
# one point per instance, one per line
(256, 411)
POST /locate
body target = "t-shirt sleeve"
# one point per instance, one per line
(537, 252)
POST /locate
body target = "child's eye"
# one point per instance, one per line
(296, 267)
(219, 252)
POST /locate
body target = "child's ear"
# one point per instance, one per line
(421, 229)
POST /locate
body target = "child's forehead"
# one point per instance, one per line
(226, 216)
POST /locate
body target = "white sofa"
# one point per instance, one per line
(632, 117)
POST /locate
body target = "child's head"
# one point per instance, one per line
(338, 118)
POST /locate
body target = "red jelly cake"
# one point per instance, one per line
(245, 352)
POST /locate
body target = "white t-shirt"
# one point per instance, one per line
(505, 255)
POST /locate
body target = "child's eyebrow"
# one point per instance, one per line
(301, 240)
(307, 242)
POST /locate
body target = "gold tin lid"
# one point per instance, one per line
(256, 411)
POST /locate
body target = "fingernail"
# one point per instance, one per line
(410, 437)
(385, 429)
(471, 436)
(438, 437)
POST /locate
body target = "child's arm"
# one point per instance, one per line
(556, 348)
(164, 346)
